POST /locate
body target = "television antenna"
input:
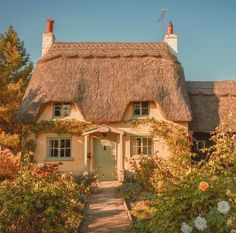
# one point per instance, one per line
(161, 19)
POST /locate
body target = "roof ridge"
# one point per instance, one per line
(109, 42)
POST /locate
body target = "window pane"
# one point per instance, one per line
(145, 104)
(137, 107)
(66, 109)
(57, 110)
(55, 153)
(150, 150)
(67, 142)
(55, 143)
(145, 141)
(68, 152)
(51, 152)
(63, 143)
(62, 153)
(200, 145)
(145, 111)
(137, 111)
(50, 144)
(139, 151)
(145, 151)
(149, 141)
(139, 141)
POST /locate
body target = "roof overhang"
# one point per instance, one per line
(103, 129)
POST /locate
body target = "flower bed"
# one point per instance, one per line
(40, 199)
(194, 198)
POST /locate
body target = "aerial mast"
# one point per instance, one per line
(161, 19)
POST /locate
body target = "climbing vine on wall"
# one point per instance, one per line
(72, 127)
(175, 137)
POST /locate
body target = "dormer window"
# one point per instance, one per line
(61, 110)
(141, 108)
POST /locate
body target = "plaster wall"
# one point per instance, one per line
(76, 164)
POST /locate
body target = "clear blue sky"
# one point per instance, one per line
(206, 28)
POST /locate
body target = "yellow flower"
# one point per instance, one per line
(160, 185)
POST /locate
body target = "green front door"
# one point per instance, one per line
(105, 158)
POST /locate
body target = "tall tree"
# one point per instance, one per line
(15, 72)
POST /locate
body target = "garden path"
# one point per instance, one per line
(106, 212)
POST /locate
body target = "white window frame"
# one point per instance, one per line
(149, 145)
(62, 110)
(201, 141)
(140, 107)
(59, 157)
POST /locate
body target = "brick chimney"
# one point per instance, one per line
(171, 39)
(48, 37)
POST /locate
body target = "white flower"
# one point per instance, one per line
(40, 165)
(223, 207)
(185, 228)
(200, 223)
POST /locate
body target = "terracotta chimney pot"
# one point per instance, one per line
(49, 28)
(170, 29)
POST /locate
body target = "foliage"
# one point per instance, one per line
(9, 164)
(130, 190)
(179, 160)
(15, 71)
(40, 199)
(143, 210)
(10, 141)
(72, 127)
(144, 171)
(188, 198)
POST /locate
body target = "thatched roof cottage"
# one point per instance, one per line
(108, 84)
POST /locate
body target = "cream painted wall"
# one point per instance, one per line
(154, 112)
(47, 113)
(77, 164)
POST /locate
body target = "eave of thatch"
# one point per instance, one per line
(212, 103)
(103, 78)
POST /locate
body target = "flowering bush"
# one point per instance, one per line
(9, 164)
(188, 198)
(40, 199)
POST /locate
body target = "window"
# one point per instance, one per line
(201, 145)
(59, 147)
(62, 110)
(141, 108)
(141, 146)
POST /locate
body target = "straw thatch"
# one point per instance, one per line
(212, 103)
(103, 78)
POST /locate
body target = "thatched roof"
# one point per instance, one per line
(103, 78)
(212, 103)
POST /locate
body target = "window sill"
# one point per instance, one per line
(59, 159)
(140, 117)
(138, 157)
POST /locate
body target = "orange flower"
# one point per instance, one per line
(160, 185)
(203, 186)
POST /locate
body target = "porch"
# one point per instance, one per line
(104, 152)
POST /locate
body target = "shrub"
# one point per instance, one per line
(41, 199)
(130, 191)
(185, 197)
(9, 164)
(144, 171)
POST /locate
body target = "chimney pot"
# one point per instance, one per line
(49, 28)
(170, 29)
(48, 37)
(171, 39)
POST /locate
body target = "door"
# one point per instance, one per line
(105, 162)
